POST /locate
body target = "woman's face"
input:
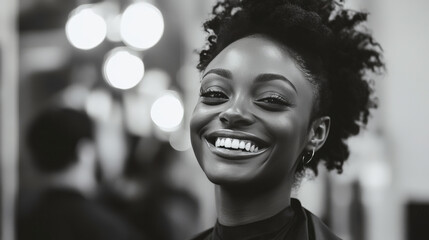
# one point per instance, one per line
(251, 122)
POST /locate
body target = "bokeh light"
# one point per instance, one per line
(167, 112)
(85, 29)
(123, 69)
(142, 25)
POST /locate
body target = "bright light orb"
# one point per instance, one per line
(142, 25)
(123, 69)
(167, 112)
(86, 29)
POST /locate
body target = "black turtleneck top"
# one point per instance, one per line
(293, 222)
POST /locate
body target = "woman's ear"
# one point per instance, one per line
(318, 133)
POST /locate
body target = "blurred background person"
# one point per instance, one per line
(63, 149)
(145, 196)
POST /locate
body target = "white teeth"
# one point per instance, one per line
(217, 144)
(228, 142)
(248, 146)
(236, 144)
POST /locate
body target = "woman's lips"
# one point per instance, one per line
(238, 136)
(234, 153)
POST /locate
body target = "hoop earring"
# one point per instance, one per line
(306, 159)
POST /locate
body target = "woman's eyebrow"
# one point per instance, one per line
(221, 72)
(272, 76)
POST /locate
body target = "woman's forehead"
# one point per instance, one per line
(254, 55)
(253, 48)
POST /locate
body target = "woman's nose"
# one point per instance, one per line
(236, 116)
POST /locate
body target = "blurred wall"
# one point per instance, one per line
(402, 29)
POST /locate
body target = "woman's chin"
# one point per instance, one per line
(224, 180)
(230, 176)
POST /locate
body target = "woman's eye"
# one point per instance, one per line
(273, 102)
(213, 94)
(274, 99)
(213, 97)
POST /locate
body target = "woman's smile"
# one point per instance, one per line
(231, 144)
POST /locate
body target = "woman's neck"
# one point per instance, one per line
(238, 208)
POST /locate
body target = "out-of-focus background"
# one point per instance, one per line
(130, 65)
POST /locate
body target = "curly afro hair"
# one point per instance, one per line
(331, 47)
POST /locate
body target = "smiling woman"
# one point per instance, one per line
(283, 85)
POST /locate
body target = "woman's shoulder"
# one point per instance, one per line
(203, 235)
(307, 226)
(321, 231)
(316, 227)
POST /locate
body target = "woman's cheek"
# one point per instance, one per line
(200, 121)
(200, 118)
(204, 114)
